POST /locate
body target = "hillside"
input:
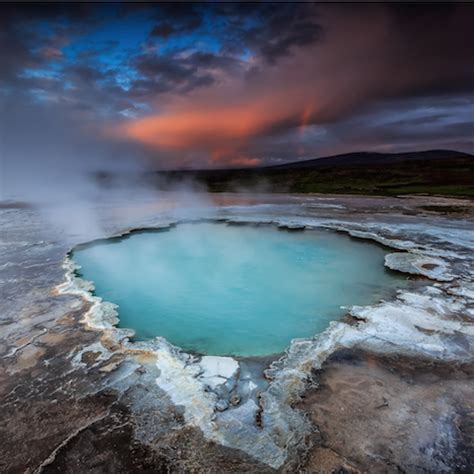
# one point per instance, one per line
(434, 172)
(371, 158)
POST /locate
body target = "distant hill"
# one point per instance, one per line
(443, 172)
(370, 158)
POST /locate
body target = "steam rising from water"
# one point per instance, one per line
(50, 160)
(223, 290)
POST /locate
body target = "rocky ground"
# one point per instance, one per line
(391, 414)
(386, 391)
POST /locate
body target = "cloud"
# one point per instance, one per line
(173, 19)
(51, 53)
(169, 73)
(367, 55)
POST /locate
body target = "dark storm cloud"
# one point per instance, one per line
(210, 60)
(22, 46)
(84, 73)
(268, 29)
(284, 28)
(179, 73)
(163, 30)
(174, 19)
(167, 69)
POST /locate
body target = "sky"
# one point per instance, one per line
(201, 85)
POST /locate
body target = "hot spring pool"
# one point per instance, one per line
(216, 289)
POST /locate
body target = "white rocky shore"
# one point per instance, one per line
(431, 320)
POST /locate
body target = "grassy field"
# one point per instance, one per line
(449, 175)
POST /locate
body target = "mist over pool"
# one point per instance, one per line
(245, 291)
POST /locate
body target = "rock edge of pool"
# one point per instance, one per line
(386, 388)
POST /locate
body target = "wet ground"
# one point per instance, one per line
(74, 400)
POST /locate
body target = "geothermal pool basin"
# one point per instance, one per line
(244, 291)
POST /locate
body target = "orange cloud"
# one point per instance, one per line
(219, 130)
(198, 125)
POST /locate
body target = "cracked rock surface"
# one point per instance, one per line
(391, 414)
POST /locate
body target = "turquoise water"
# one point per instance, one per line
(234, 290)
